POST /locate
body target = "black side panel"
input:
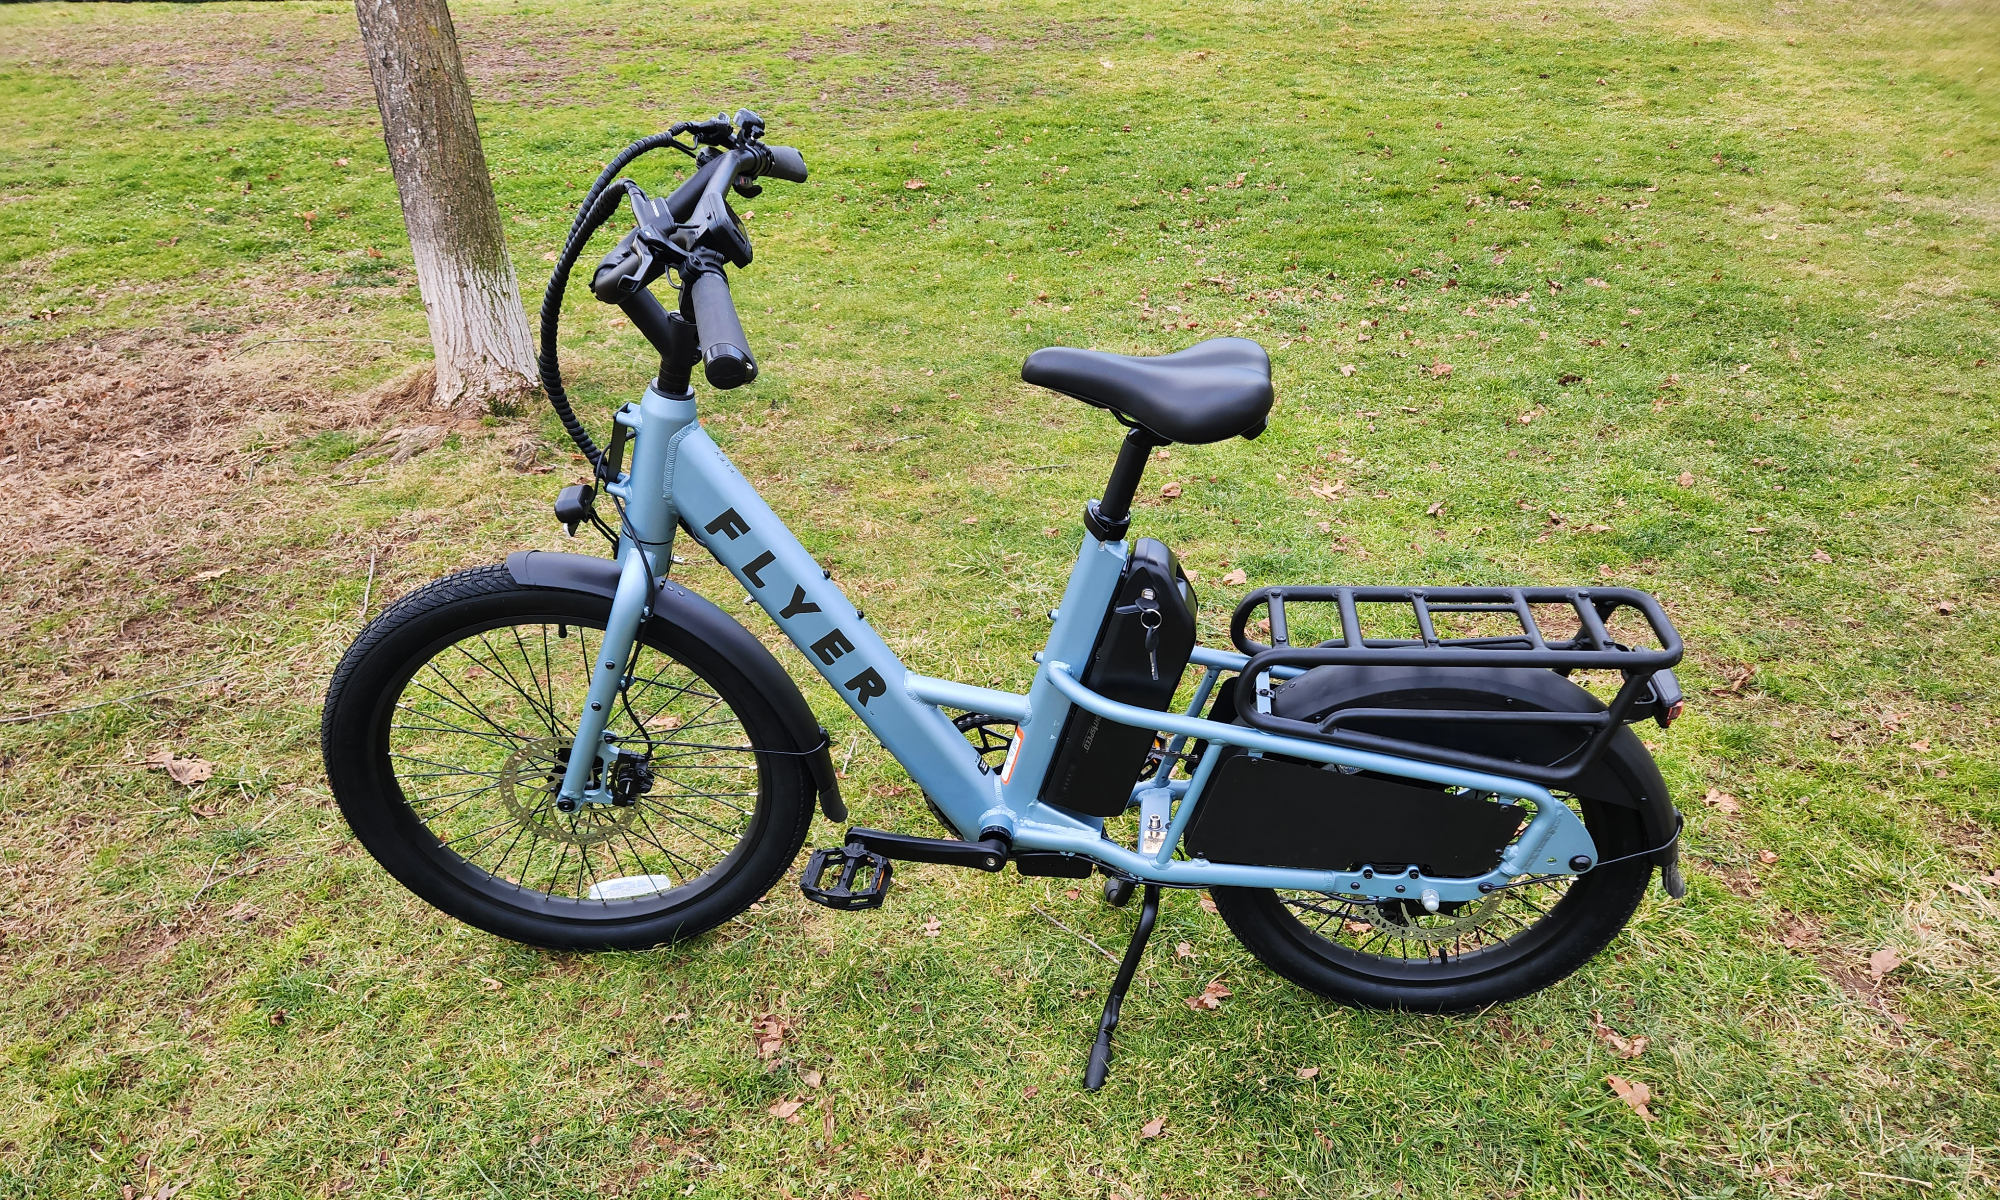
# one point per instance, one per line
(1269, 812)
(679, 607)
(1098, 761)
(1625, 776)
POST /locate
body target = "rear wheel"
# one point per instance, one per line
(1394, 954)
(446, 733)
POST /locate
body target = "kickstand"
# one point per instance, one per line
(1100, 1054)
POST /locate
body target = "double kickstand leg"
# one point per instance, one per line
(1100, 1054)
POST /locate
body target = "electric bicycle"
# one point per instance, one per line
(1395, 796)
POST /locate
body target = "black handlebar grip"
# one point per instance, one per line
(785, 163)
(725, 352)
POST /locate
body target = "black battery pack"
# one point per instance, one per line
(1142, 650)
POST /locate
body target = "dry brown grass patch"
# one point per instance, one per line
(130, 459)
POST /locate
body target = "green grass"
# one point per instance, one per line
(1792, 211)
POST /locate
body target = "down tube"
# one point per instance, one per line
(743, 534)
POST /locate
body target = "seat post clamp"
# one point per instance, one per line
(1101, 527)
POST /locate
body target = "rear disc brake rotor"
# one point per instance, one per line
(1407, 920)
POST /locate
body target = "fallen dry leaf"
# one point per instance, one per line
(1633, 1093)
(1722, 801)
(1308, 1072)
(1031, 1091)
(1821, 556)
(205, 576)
(810, 1078)
(186, 771)
(1687, 479)
(1621, 1046)
(1171, 491)
(1211, 997)
(915, 184)
(1236, 578)
(1347, 368)
(1766, 856)
(787, 1111)
(1883, 961)
(1184, 950)
(1434, 510)
(1945, 607)
(1208, 905)
(1153, 1128)
(769, 1031)
(932, 926)
(1440, 369)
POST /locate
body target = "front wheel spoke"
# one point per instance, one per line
(522, 828)
(511, 741)
(721, 829)
(442, 766)
(484, 787)
(545, 687)
(467, 705)
(654, 839)
(500, 671)
(470, 857)
(561, 855)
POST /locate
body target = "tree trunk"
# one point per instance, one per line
(478, 328)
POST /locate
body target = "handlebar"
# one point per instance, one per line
(725, 351)
(694, 232)
(783, 162)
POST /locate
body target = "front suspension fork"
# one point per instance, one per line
(631, 605)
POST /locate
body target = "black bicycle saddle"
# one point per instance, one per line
(1217, 389)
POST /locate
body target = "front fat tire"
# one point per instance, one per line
(355, 742)
(1579, 926)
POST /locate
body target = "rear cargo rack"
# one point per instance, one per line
(1649, 688)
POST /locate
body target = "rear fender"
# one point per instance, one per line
(675, 605)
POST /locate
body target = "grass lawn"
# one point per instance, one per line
(1695, 298)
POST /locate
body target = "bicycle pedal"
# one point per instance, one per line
(847, 878)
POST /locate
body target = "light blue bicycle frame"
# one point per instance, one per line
(679, 474)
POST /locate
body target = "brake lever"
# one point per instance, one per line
(642, 255)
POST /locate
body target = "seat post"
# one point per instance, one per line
(1109, 518)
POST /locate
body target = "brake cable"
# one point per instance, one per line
(588, 221)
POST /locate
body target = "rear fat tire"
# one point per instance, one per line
(355, 739)
(1578, 926)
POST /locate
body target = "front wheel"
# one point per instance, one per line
(446, 733)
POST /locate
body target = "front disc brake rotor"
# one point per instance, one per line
(529, 780)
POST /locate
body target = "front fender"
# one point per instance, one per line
(683, 609)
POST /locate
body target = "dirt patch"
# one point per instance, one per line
(922, 56)
(285, 61)
(131, 460)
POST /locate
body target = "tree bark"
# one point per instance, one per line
(479, 330)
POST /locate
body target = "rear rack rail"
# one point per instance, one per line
(1648, 688)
